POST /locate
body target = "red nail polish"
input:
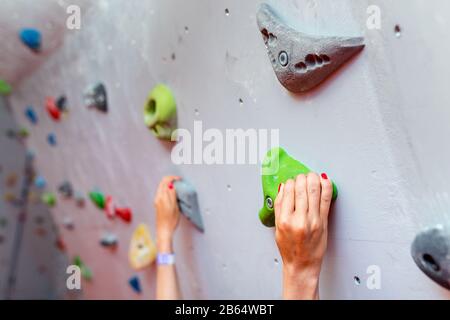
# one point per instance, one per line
(279, 187)
(171, 185)
(324, 176)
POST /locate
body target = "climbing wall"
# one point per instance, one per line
(31, 265)
(377, 128)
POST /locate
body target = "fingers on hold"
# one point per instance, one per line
(279, 200)
(326, 196)
(301, 197)
(313, 187)
(288, 204)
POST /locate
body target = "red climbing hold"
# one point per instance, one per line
(109, 207)
(124, 213)
(52, 108)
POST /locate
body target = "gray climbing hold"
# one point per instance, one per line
(431, 252)
(109, 240)
(95, 97)
(301, 61)
(66, 189)
(68, 223)
(188, 203)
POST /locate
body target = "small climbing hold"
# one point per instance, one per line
(10, 197)
(86, 272)
(31, 115)
(11, 180)
(31, 38)
(5, 88)
(98, 199)
(68, 223)
(52, 109)
(41, 232)
(66, 189)
(96, 97)
(49, 199)
(135, 284)
(59, 243)
(110, 207)
(51, 139)
(277, 168)
(79, 199)
(188, 203)
(124, 213)
(302, 61)
(142, 251)
(160, 112)
(23, 133)
(40, 182)
(61, 104)
(109, 240)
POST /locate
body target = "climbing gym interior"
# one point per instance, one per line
(100, 99)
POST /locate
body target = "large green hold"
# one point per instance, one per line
(98, 199)
(160, 112)
(278, 167)
(5, 88)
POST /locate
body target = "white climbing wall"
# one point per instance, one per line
(378, 128)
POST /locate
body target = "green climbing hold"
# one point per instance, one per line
(5, 88)
(86, 272)
(160, 112)
(98, 199)
(278, 167)
(49, 199)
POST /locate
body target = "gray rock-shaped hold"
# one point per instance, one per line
(188, 203)
(301, 61)
(431, 252)
(96, 97)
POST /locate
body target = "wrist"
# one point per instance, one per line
(301, 283)
(164, 244)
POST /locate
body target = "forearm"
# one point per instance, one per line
(167, 287)
(300, 284)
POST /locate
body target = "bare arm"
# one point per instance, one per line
(167, 217)
(301, 215)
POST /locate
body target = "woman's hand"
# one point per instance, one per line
(167, 213)
(301, 217)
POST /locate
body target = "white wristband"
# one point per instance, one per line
(165, 259)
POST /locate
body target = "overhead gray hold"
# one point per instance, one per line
(431, 252)
(301, 61)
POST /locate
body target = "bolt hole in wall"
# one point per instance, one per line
(430, 262)
(227, 12)
(398, 31)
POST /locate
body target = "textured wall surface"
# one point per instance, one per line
(378, 128)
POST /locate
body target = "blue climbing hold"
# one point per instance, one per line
(40, 182)
(31, 38)
(51, 139)
(31, 115)
(135, 284)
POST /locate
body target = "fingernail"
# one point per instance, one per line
(279, 187)
(171, 185)
(324, 176)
